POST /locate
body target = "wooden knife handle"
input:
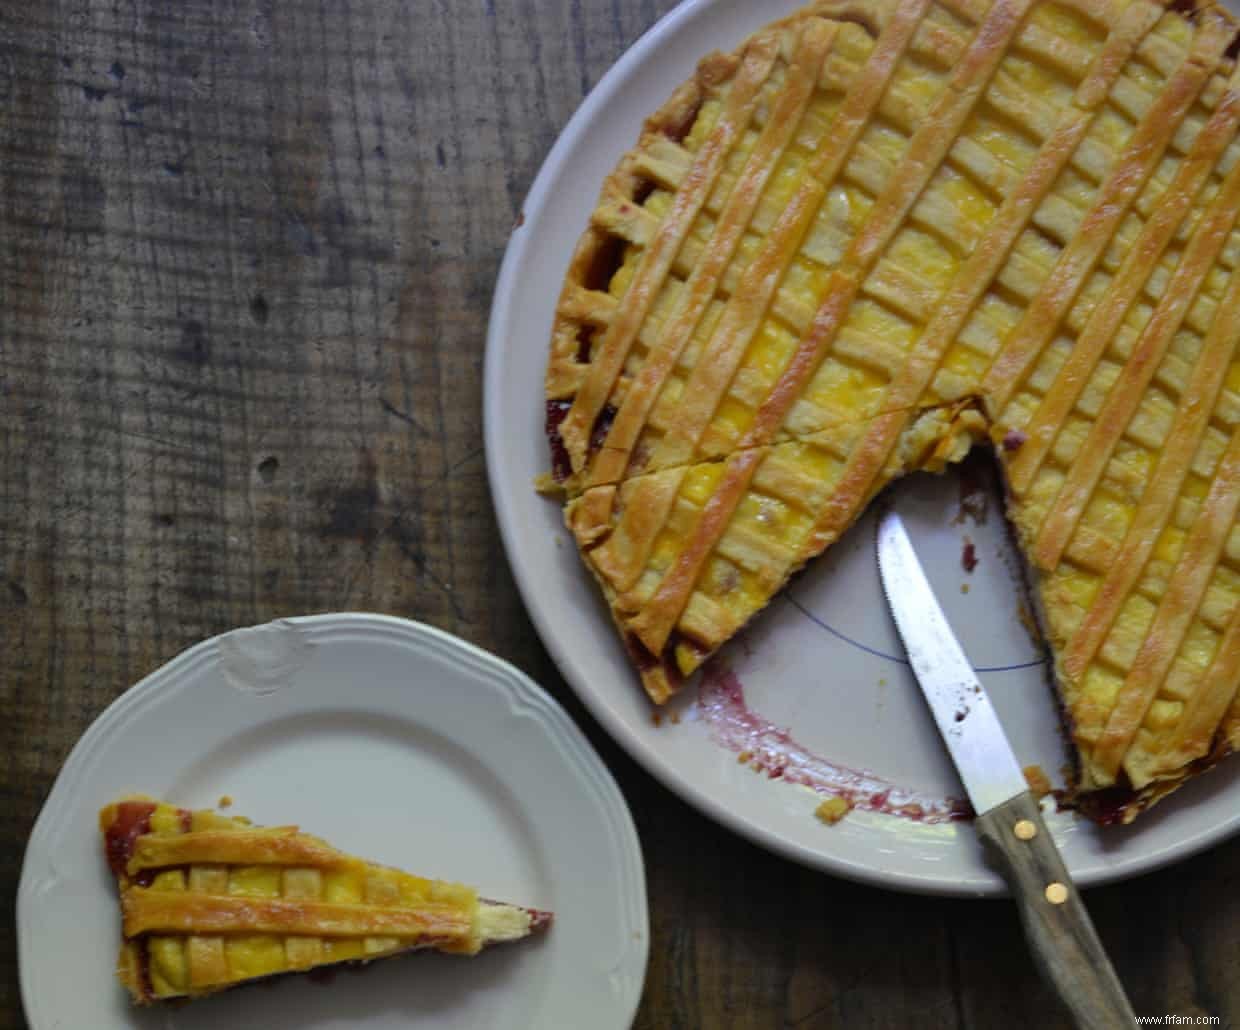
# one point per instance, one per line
(1057, 926)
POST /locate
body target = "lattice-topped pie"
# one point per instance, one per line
(877, 233)
(209, 901)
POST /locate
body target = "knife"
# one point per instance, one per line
(1009, 821)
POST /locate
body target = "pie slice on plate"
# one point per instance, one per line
(210, 901)
(878, 232)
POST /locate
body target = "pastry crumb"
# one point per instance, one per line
(224, 802)
(743, 757)
(546, 485)
(964, 588)
(1039, 782)
(656, 718)
(833, 809)
(675, 718)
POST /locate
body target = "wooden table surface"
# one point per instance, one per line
(248, 248)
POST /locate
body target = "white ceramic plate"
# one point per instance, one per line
(823, 660)
(394, 741)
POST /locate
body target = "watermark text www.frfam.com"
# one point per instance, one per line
(1172, 1020)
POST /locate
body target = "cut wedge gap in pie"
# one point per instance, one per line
(877, 233)
(210, 901)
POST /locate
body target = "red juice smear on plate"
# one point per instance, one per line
(772, 750)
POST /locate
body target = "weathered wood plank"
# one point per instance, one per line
(246, 255)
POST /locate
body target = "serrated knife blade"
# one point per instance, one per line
(961, 708)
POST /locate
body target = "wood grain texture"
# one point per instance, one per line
(246, 255)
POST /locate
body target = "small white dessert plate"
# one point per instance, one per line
(393, 741)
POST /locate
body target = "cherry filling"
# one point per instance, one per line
(561, 464)
(585, 343)
(968, 555)
(604, 263)
(976, 487)
(646, 660)
(1107, 807)
(1014, 440)
(602, 426)
(143, 946)
(557, 412)
(677, 131)
(133, 819)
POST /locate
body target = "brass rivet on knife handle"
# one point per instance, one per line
(1025, 830)
(1056, 893)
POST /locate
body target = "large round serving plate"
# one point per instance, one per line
(823, 662)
